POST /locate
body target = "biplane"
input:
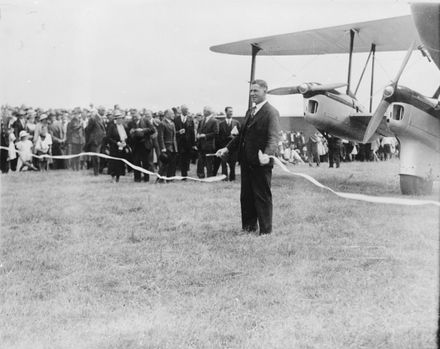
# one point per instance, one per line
(412, 118)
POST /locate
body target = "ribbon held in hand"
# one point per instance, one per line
(263, 158)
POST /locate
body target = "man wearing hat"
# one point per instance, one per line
(95, 133)
(19, 124)
(56, 131)
(168, 145)
(140, 132)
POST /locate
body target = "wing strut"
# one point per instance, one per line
(255, 50)
(352, 32)
(363, 72)
(373, 50)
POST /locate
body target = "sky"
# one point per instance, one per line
(155, 53)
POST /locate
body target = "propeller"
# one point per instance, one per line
(282, 91)
(304, 88)
(384, 104)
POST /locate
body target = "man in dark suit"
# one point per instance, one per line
(207, 132)
(168, 145)
(95, 132)
(257, 140)
(19, 124)
(140, 131)
(186, 140)
(228, 129)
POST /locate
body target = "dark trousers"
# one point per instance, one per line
(58, 164)
(216, 165)
(142, 159)
(4, 163)
(231, 161)
(95, 159)
(256, 198)
(334, 156)
(168, 169)
(185, 159)
(205, 161)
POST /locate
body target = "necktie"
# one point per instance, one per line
(253, 112)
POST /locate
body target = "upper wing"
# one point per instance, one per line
(390, 34)
(427, 20)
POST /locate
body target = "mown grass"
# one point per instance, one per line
(89, 264)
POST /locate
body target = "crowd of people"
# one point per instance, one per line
(158, 142)
(163, 142)
(323, 147)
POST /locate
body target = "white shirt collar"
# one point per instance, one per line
(259, 106)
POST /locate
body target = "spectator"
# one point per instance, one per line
(43, 146)
(94, 135)
(140, 131)
(207, 132)
(74, 140)
(168, 146)
(56, 131)
(117, 140)
(228, 129)
(312, 150)
(185, 136)
(24, 147)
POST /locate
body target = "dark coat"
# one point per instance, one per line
(186, 141)
(210, 130)
(94, 132)
(258, 133)
(115, 167)
(74, 132)
(224, 136)
(141, 140)
(18, 127)
(167, 136)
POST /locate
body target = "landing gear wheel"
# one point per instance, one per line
(413, 185)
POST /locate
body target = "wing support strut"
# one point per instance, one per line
(255, 50)
(352, 32)
(373, 50)
(363, 72)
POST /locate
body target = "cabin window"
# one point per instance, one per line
(397, 112)
(312, 107)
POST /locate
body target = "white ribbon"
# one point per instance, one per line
(137, 168)
(360, 197)
(351, 196)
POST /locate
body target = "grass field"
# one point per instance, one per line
(90, 264)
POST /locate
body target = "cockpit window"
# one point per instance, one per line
(397, 112)
(312, 107)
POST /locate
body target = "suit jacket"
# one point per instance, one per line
(185, 141)
(95, 132)
(258, 133)
(140, 140)
(224, 136)
(56, 131)
(166, 136)
(210, 129)
(18, 127)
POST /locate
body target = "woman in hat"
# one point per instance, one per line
(117, 141)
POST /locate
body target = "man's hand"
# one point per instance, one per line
(264, 158)
(221, 153)
(182, 131)
(201, 135)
